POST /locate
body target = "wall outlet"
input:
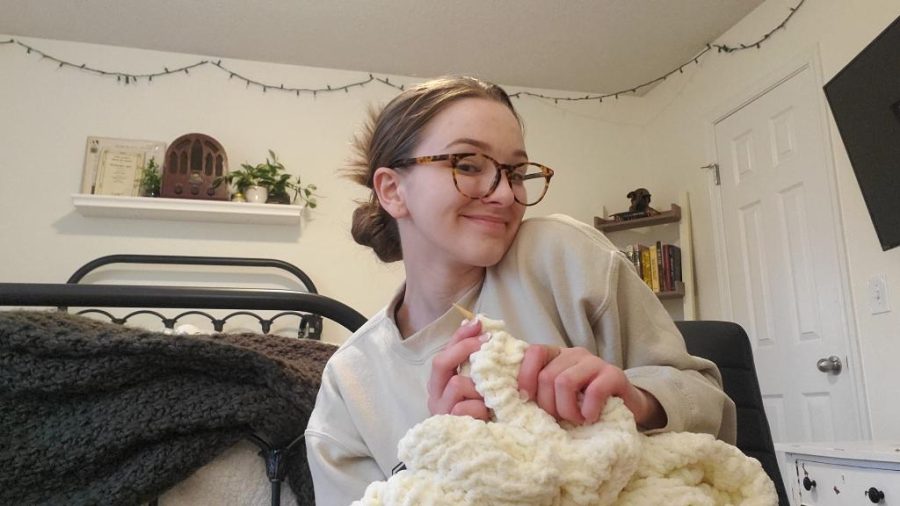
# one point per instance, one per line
(878, 295)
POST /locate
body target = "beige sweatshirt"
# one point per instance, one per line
(561, 283)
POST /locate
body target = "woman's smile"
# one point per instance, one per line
(487, 222)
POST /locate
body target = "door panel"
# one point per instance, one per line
(782, 256)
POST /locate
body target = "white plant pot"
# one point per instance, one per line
(256, 194)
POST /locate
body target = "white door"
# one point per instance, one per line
(783, 260)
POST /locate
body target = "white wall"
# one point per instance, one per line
(600, 151)
(46, 113)
(676, 135)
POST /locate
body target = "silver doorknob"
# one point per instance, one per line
(831, 364)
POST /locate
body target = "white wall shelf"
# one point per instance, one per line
(145, 208)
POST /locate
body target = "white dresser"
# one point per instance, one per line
(858, 473)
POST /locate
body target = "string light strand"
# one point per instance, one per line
(721, 48)
(130, 78)
(601, 97)
(120, 76)
(265, 87)
(724, 48)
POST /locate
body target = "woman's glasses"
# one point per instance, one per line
(476, 175)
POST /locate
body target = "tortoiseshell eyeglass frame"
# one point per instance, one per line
(509, 168)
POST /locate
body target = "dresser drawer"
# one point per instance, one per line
(826, 482)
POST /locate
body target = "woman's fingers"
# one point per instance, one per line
(568, 383)
(610, 381)
(554, 377)
(562, 380)
(446, 388)
(445, 364)
(537, 356)
(471, 407)
(569, 388)
(469, 328)
(458, 390)
(571, 383)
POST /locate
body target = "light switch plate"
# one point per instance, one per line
(878, 295)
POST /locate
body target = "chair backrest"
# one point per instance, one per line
(727, 345)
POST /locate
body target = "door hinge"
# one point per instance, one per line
(715, 168)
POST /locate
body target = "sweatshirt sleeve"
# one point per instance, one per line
(656, 360)
(339, 462)
(579, 287)
(581, 290)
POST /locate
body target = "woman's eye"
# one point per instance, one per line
(467, 168)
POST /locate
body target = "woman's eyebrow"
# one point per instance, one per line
(483, 146)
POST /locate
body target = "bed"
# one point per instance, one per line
(99, 406)
(274, 377)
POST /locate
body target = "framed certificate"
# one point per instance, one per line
(113, 166)
(119, 173)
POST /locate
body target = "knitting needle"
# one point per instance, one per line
(465, 312)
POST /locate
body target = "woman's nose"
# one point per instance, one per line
(503, 193)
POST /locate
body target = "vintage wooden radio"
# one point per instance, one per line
(192, 164)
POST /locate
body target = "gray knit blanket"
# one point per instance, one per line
(96, 413)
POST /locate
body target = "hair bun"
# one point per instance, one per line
(374, 227)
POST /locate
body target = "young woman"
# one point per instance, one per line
(450, 181)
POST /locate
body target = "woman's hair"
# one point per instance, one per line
(392, 134)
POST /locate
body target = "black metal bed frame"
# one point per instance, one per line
(309, 306)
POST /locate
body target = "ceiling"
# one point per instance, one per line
(595, 46)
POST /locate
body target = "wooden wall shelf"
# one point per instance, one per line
(684, 293)
(678, 293)
(671, 216)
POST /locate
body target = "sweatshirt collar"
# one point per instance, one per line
(422, 345)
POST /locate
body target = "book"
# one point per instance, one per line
(636, 258)
(629, 215)
(646, 273)
(676, 264)
(666, 270)
(632, 257)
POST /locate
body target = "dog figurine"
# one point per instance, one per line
(640, 202)
(640, 206)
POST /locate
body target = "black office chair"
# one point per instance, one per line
(726, 344)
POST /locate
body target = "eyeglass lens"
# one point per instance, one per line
(476, 174)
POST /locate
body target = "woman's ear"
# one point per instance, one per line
(386, 183)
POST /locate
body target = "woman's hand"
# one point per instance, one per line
(572, 384)
(449, 392)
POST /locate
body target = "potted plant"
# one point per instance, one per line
(269, 182)
(281, 191)
(151, 179)
(252, 181)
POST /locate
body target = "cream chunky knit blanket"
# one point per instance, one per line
(524, 457)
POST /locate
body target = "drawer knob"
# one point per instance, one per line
(808, 484)
(875, 495)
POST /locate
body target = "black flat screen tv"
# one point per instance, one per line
(865, 100)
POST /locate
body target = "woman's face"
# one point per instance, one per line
(441, 223)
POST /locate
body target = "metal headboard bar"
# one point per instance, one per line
(193, 260)
(50, 294)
